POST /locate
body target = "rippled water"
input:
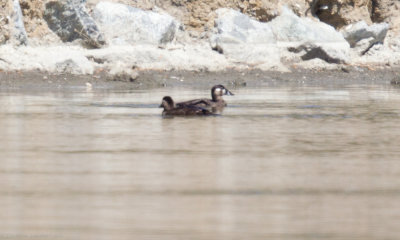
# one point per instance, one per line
(280, 163)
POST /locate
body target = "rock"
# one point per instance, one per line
(62, 59)
(19, 35)
(124, 25)
(70, 21)
(386, 54)
(244, 40)
(198, 15)
(363, 46)
(394, 43)
(288, 27)
(313, 39)
(121, 71)
(74, 64)
(69, 66)
(235, 27)
(124, 76)
(363, 37)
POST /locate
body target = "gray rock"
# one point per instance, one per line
(288, 27)
(360, 30)
(18, 31)
(235, 27)
(363, 37)
(244, 40)
(67, 66)
(125, 25)
(313, 39)
(74, 65)
(70, 21)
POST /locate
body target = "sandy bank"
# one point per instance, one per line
(39, 81)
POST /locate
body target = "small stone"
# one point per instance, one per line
(345, 69)
(124, 76)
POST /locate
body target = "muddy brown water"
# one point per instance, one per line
(282, 162)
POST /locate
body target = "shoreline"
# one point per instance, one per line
(148, 79)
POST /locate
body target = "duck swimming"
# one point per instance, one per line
(215, 104)
(171, 110)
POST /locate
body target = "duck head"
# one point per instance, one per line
(218, 91)
(167, 103)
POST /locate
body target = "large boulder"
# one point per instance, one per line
(235, 27)
(363, 37)
(242, 39)
(124, 25)
(70, 21)
(311, 38)
(288, 27)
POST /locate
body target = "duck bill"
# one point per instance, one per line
(229, 93)
(160, 106)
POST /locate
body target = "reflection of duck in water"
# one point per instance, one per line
(171, 110)
(216, 104)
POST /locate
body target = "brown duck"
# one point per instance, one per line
(171, 110)
(215, 104)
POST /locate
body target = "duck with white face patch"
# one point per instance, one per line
(216, 104)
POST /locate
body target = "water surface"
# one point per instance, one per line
(281, 162)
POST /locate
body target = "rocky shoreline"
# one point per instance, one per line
(38, 81)
(122, 41)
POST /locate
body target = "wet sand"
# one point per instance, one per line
(40, 81)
